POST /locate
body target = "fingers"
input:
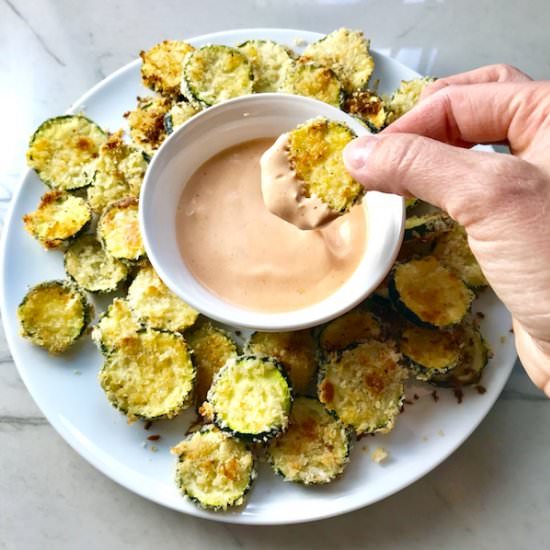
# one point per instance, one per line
(481, 75)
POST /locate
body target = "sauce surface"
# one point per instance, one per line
(248, 256)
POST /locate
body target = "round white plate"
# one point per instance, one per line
(66, 389)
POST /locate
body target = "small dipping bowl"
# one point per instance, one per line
(223, 126)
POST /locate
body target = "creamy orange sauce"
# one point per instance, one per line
(248, 256)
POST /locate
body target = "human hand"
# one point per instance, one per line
(502, 200)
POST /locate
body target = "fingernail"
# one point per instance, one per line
(357, 152)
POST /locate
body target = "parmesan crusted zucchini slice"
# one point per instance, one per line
(294, 350)
(364, 386)
(406, 97)
(118, 230)
(312, 80)
(53, 315)
(161, 66)
(316, 447)
(270, 62)
(146, 123)
(453, 251)
(181, 112)
(156, 305)
(358, 325)
(428, 226)
(150, 376)
(431, 352)
(346, 52)
(119, 172)
(91, 267)
(474, 358)
(315, 153)
(59, 217)
(214, 470)
(216, 73)
(211, 348)
(251, 398)
(411, 203)
(116, 327)
(63, 150)
(369, 107)
(428, 294)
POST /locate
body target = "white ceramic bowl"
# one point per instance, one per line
(220, 127)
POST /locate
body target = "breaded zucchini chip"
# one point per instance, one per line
(317, 81)
(367, 106)
(59, 217)
(346, 52)
(63, 151)
(118, 174)
(116, 326)
(181, 112)
(215, 73)
(295, 351)
(251, 398)
(214, 470)
(211, 348)
(315, 449)
(146, 123)
(428, 294)
(364, 386)
(270, 62)
(53, 315)
(156, 305)
(315, 153)
(453, 251)
(428, 226)
(149, 376)
(87, 263)
(118, 230)
(406, 97)
(161, 66)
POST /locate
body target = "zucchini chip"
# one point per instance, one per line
(346, 52)
(91, 267)
(161, 66)
(294, 350)
(63, 150)
(181, 112)
(428, 294)
(214, 470)
(474, 358)
(150, 376)
(431, 352)
(358, 325)
(270, 62)
(312, 80)
(406, 97)
(428, 226)
(215, 73)
(156, 305)
(118, 230)
(211, 348)
(315, 153)
(53, 315)
(411, 203)
(146, 123)
(59, 217)
(251, 398)
(119, 172)
(370, 108)
(364, 386)
(453, 251)
(315, 449)
(116, 326)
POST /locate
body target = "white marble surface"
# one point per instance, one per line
(493, 492)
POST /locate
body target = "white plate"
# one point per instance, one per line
(66, 390)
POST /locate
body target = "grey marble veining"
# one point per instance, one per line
(492, 493)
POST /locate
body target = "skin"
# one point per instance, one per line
(502, 200)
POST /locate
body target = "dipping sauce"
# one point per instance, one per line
(248, 256)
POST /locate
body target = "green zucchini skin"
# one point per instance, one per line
(227, 422)
(427, 227)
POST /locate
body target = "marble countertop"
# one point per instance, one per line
(493, 492)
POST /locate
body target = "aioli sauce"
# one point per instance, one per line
(248, 256)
